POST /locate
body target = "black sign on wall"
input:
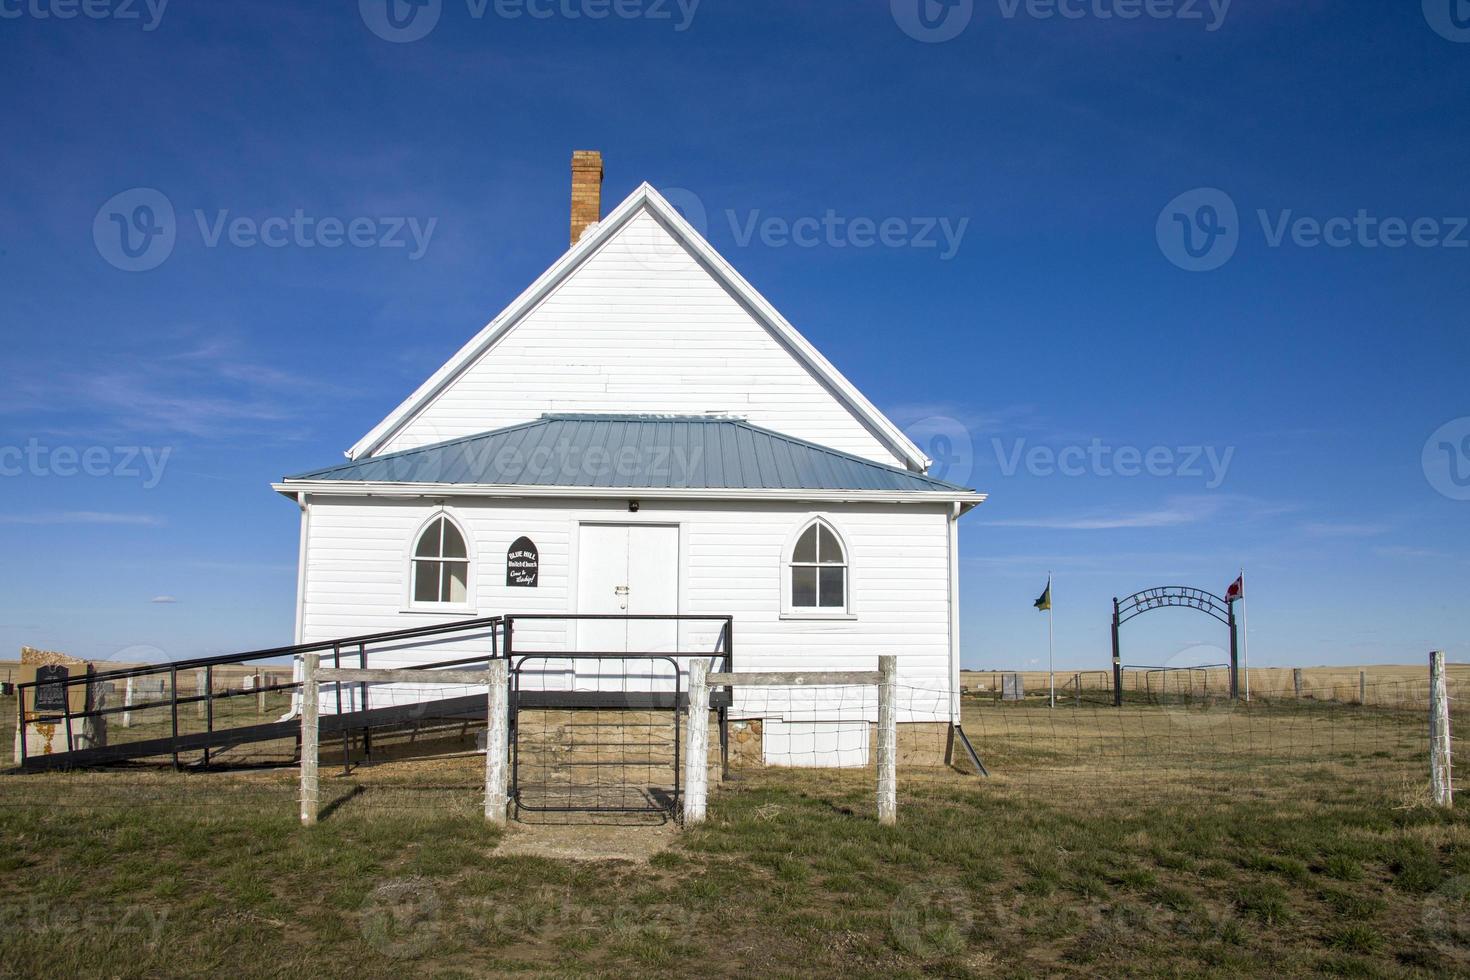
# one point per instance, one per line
(51, 688)
(522, 564)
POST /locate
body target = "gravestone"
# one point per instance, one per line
(49, 696)
(141, 690)
(53, 696)
(1011, 687)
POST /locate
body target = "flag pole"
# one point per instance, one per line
(1051, 677)
(1245, 638)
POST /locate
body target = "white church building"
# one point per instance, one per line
(640, 433)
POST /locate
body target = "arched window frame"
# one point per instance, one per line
(413, 560)
(789, 609)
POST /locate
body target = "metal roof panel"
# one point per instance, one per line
(617, 451)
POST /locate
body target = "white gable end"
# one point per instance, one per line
(642, 316)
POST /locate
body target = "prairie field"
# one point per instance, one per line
(1163, 838)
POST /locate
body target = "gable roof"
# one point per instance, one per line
(634, 451)
(647, 199)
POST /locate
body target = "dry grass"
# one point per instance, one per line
(1151, 840)
(1386, 684)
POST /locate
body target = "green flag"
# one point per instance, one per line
(1044, 602)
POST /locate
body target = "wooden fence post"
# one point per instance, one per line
(497, 741)
(201, 687)
(696, 759)
(259, 694)
(127, 718)
(1362, 687)
(1078, 692)
(310, 791)
(1296, 681)
(20, 725)
(887, 740)
(1440, 773)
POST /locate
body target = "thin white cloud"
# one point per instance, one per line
(206, 387)
(1325, 529)
(82, 517)
(1175, 512)
(1407, 551)
(163, 600)
(974, 420)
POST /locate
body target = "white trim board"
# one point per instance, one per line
(647, 199)
(346, 488)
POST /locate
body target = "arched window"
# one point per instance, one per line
(441, 564)
(818, 570)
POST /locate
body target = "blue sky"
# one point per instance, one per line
(1068, 157)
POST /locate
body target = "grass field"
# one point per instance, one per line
(1387, 684)
(1184, 840)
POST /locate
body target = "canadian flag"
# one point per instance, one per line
(1236, 590)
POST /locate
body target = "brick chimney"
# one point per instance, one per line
(586, 191)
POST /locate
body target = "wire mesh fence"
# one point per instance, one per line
(1172, 738)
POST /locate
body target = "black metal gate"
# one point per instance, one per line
(605, 744)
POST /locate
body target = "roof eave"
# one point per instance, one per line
(347, 488)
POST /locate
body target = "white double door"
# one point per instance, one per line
(625, 570)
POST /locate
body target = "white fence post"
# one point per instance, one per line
(201, 685)
(259, 693)
(310, 792)
(696, 759)
(496, 742)
(127, 718)
(887, 740)
(1440, 776)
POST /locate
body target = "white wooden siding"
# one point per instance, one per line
(641, 327)
(357, 563)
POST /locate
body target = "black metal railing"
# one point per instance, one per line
(499, 632)
(355, 646)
